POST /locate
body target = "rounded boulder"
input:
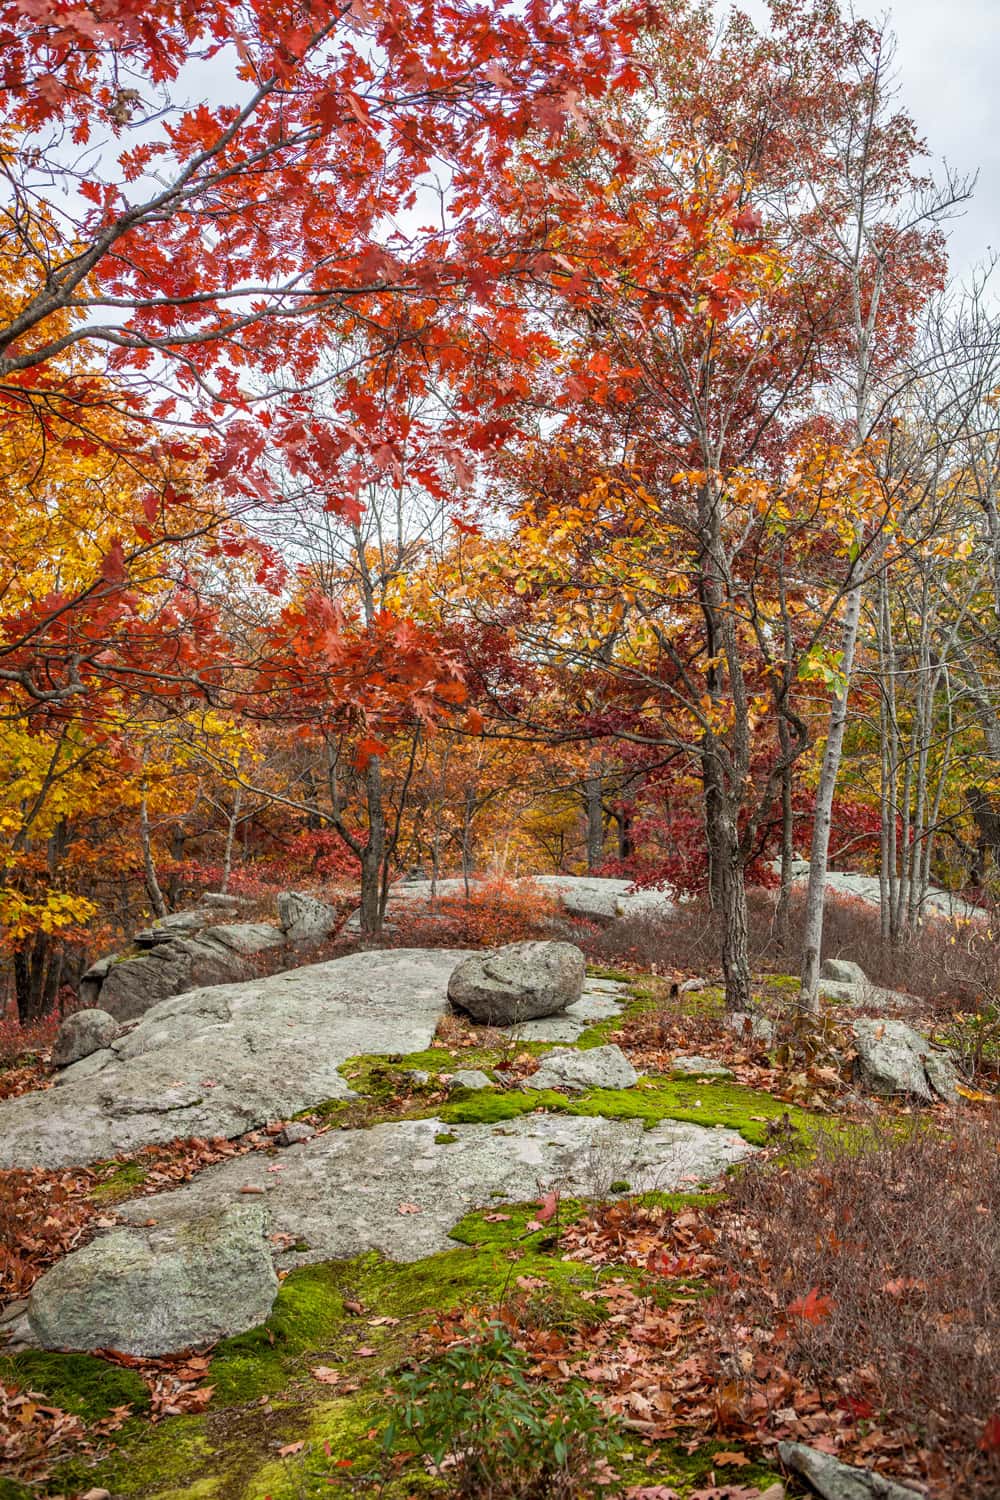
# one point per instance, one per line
(519, 982)
(83, 1032)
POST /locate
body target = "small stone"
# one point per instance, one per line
(842, 971)
(706, 1067)
(295, 1133)
(595, 1068)
(895, 1059)
(842, 992)
(470, 1078)
(82, 1033)
(419, 1076)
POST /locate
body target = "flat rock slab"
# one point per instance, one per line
(593, 1005)
(224, 1060)
(395, 1189)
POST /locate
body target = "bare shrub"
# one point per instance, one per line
(876, 1267)
(948, 964)
(494, 913)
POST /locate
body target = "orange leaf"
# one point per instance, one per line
(812, 1307)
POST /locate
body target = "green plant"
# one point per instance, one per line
(477, 1419)
(974, 1039)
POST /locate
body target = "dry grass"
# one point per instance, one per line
(948, 965)
(876, 1268)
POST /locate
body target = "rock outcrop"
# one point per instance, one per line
(518, 982)
(128, 985)
(225, 1060)
(204, 1269)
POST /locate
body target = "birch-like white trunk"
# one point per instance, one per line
(812, 936)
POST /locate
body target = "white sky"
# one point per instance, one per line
(948, 62)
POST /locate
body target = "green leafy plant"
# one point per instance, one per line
(478, 1421)
(974, 1039)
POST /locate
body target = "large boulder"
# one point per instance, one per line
(128, 985)
(82, 1033)
(567, 1069)
(303, 919)
(892, 1058)
(225, 1060)
(843, 971)
(518, 982)
(153, 1291)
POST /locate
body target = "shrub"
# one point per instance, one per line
(476, 1417)
(24, 1044)
(876, 1267)
(945, 963)
(495, 912)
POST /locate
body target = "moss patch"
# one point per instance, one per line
(124, 1179)
(88, 1387)
(308, 1305)
(701, 1101)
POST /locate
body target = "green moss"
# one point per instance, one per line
(445, 1138)
(671, 1464)
(145, 1460)
(88, 1387)
(702, 1101)
(124, 1179)
(309, 1303)
(11, 1490)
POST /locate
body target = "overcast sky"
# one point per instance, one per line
(948, 62)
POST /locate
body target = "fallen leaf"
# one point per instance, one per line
(409, 1208)
(290, 1448)
(325, 1375)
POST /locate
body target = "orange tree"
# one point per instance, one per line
(700, 337)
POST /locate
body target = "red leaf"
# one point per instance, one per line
(990, 1440)
(812, 1307)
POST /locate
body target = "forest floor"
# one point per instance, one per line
(833, 1292)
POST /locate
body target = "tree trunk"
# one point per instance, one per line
(729, 881)
(148, 864)
(373, 885)
(783, 912)
(227, 858)
(594, 806)
(812, 936)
